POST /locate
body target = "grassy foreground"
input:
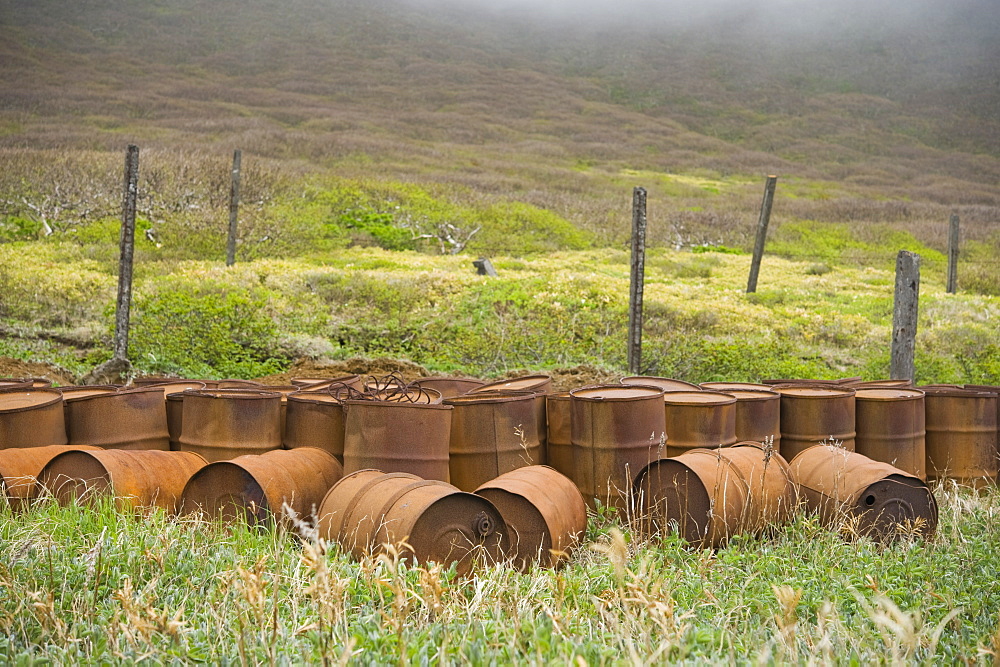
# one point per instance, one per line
(96, 585)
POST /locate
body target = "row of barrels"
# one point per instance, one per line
(531, 515)
(466, 432)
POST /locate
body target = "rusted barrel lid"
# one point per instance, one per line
(667, 384)
(774, 382)
(490, 397)
(701, 492)
(881, 393)
(539, 384)
(14, 383)
(615, 392)
(22, 399)
(750, 395)
(700, 397)
(954, 391)
(82, 391)
(726, 386)
(544, 511)
(313, 397)
(234, 393)
(881, 497)
(176, 387)
(449, 386)
(815, 391)
(231, 383)
(146, 380)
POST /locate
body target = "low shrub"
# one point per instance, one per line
(204, 329)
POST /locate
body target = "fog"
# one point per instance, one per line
(786, 18)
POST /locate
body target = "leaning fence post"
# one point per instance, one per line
(636, 280)
(904, 315)
(953, 254)
(758, 246)
(234, 207)
(127, 249)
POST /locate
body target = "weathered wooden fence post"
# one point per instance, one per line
(758, 246)
(127, 251)
(904, 315)
(953, 254)
(636, 280)
(234, 208)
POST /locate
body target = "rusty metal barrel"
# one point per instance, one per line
(758, 415)
(428, 520)
(698, 420)
(700, 493)
(961, 440)
(256, 487)
(19, 470)
(31, 417)
(890, 427)
(771, 497)
(449, 387)
(811, 414)
(174, 401)
(491, 434)
(537, 384)
(397, 437)
(990, 389)
(545, 514)
(541, 386)
(221, 424)
(135, 478)
(125, 419)
(315, 419)
(616, 432)
(559, 434)
(666, 384)
(862, 496)
(14, 383)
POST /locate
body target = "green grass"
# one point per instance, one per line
(200, 318)
(96, 585)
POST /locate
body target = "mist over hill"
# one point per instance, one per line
(541, 102)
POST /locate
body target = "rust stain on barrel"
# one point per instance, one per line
(31, 417)
(256, 487)
(698, 419)
(491, 434)
(877, 498)
(429, 520)
(544, 511)
(890, 427)
(221, 424)
(136, 478)
(126, 419)
(961, 439)
(811, 414)
(616, 432)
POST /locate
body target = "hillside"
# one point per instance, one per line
(883, 114)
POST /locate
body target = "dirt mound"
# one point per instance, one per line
(15, 368)
(364, 367)
(565, 379)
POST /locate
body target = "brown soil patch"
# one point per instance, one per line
(15, 368)
(565, 379)
(306, 368)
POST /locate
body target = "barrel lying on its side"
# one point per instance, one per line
(877, 499)
(256, 487)
(427, 520)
